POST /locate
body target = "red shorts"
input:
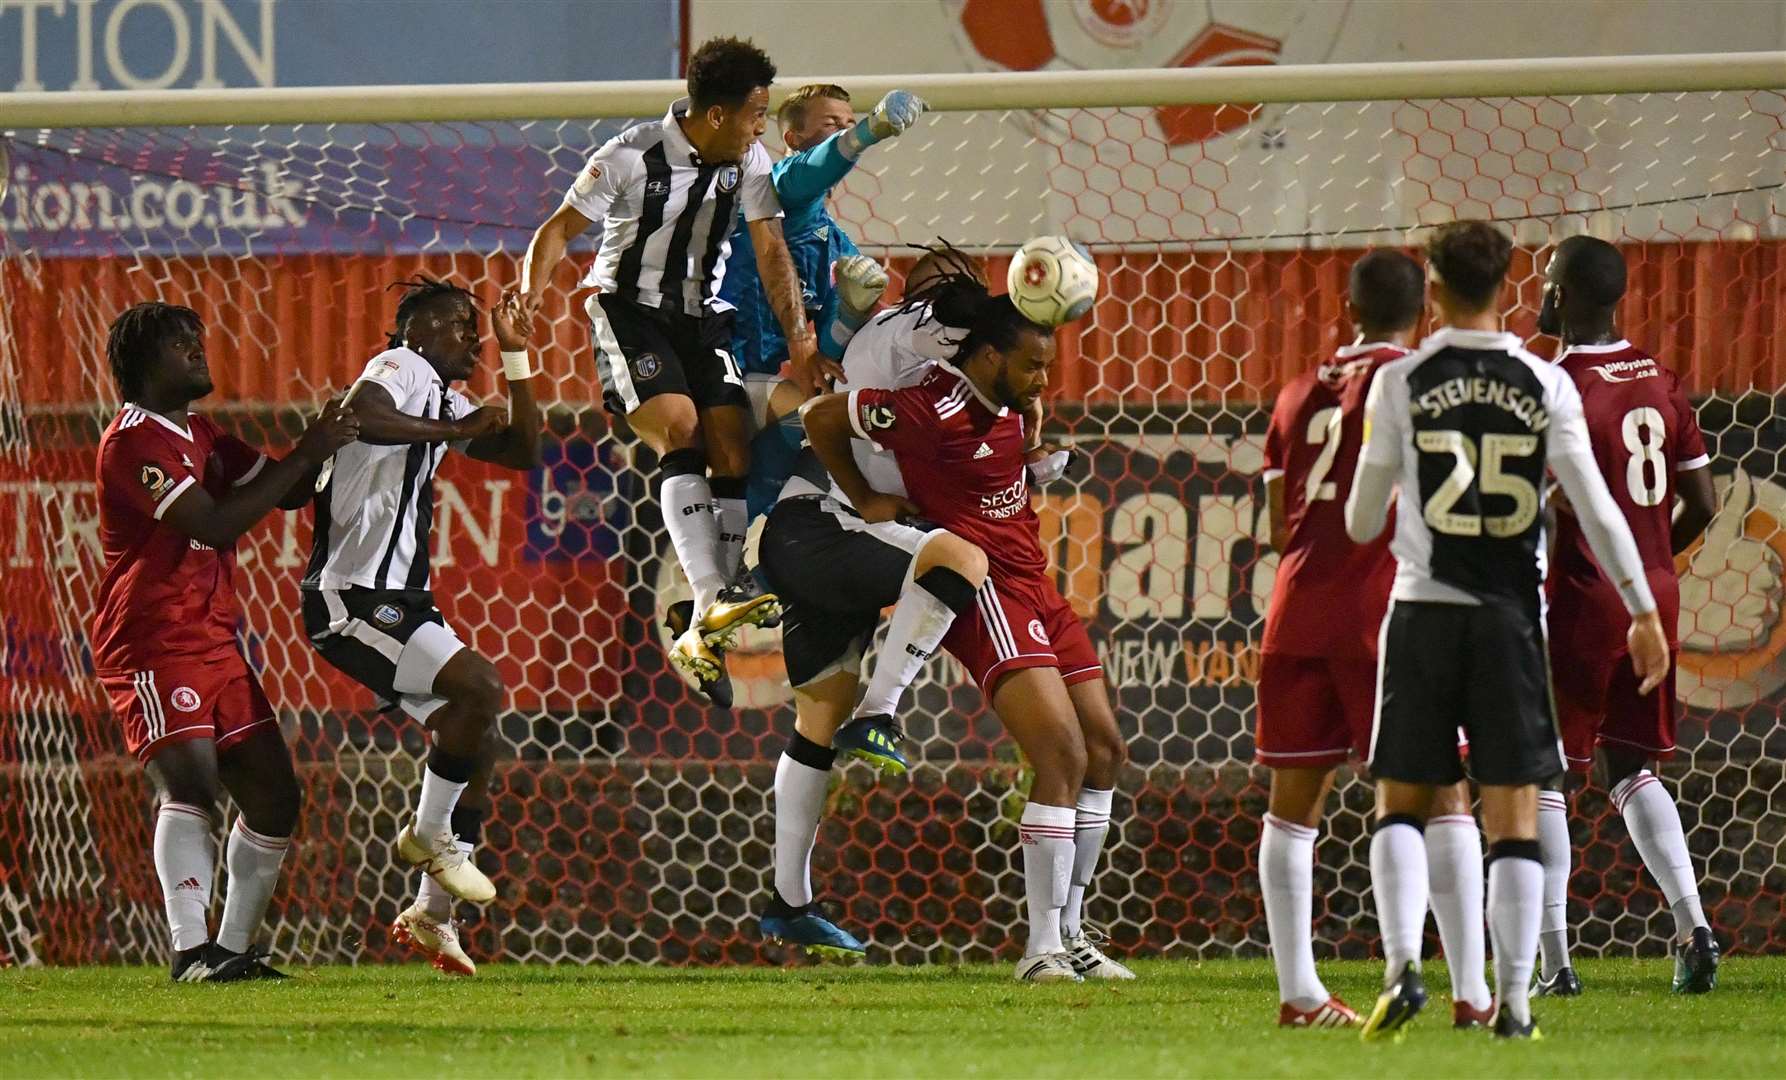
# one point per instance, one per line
(1313, 711)
(1592, 681)
(1598, 702)
(221, 701)
(1017, 624)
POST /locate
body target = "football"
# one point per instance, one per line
(1052, 280)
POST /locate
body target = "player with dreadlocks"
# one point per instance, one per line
(175, 494)
(368, 607)
(955, 440)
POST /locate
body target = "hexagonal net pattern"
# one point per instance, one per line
(631, 823)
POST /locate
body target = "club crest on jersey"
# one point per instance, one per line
(728, 179)
(157, 482)
(1036, 632)
(647, 365)
(184, 698)
(877, 417)
(387, 615)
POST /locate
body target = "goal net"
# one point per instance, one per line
(631, 823)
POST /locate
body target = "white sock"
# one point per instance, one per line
(1655, 827)
(434, 811)
(436, 901)
(1454, 882)
(185, 861)
(1047, 836)
(1515, 902)
(1558, 853)
(1398, 884)
(913, 633)
(694, 532)
(799, 803)
(1287, 878)
(1091, 824)
(733, 519)
(253, 873)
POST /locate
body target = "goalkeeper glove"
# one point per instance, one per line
(897, 111)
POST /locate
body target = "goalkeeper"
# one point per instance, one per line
(839, 286)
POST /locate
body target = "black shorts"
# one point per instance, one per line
(391, 641)
(834, 573)
(642, 352)
(1483, 668)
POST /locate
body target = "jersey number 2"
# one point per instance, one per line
(1496, 449)
(1323, 431)
(1648, 485)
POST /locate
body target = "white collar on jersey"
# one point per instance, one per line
(1347, 352)
(159, 419)
(1610, 347)
(996, 410)
(674, 135)
(1471, 339)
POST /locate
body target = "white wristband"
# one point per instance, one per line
(517, 365)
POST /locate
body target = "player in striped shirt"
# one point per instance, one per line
(666, 193)
(368, 602)
(175, 494)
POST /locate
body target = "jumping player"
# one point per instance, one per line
(667, 193)
(175, 494)
(368, 604)
(1466, 426)
(836, 573)
(960, 441)
(1647, 442)
(1317, 676)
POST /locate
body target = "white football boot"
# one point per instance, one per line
(1047, 967)
(438, 941)
(1089, 960)
(451, 868)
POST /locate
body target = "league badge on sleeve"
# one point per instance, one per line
(877, 417)
(157, 482)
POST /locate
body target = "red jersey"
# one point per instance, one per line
(1643, 431)
(961, 457)
(165, 597)
(1330, 593)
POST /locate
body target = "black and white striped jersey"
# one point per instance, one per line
(666, 215)
(374, 518)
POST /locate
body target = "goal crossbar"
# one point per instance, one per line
(954, 92)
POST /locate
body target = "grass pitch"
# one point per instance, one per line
(1181, 1019)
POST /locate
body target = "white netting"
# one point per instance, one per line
(629, 822)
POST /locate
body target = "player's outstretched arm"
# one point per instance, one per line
(517, 445)
(546, 250)
(894, 113)
(219, 523)
(828, 430)
(776, 267)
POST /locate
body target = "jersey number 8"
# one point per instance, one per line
(1648, 485)
(1496, 449)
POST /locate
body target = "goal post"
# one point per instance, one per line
(1224, 206)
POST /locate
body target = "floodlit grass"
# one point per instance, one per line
(1181, 1018)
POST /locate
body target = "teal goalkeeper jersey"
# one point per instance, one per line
(802, 182)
